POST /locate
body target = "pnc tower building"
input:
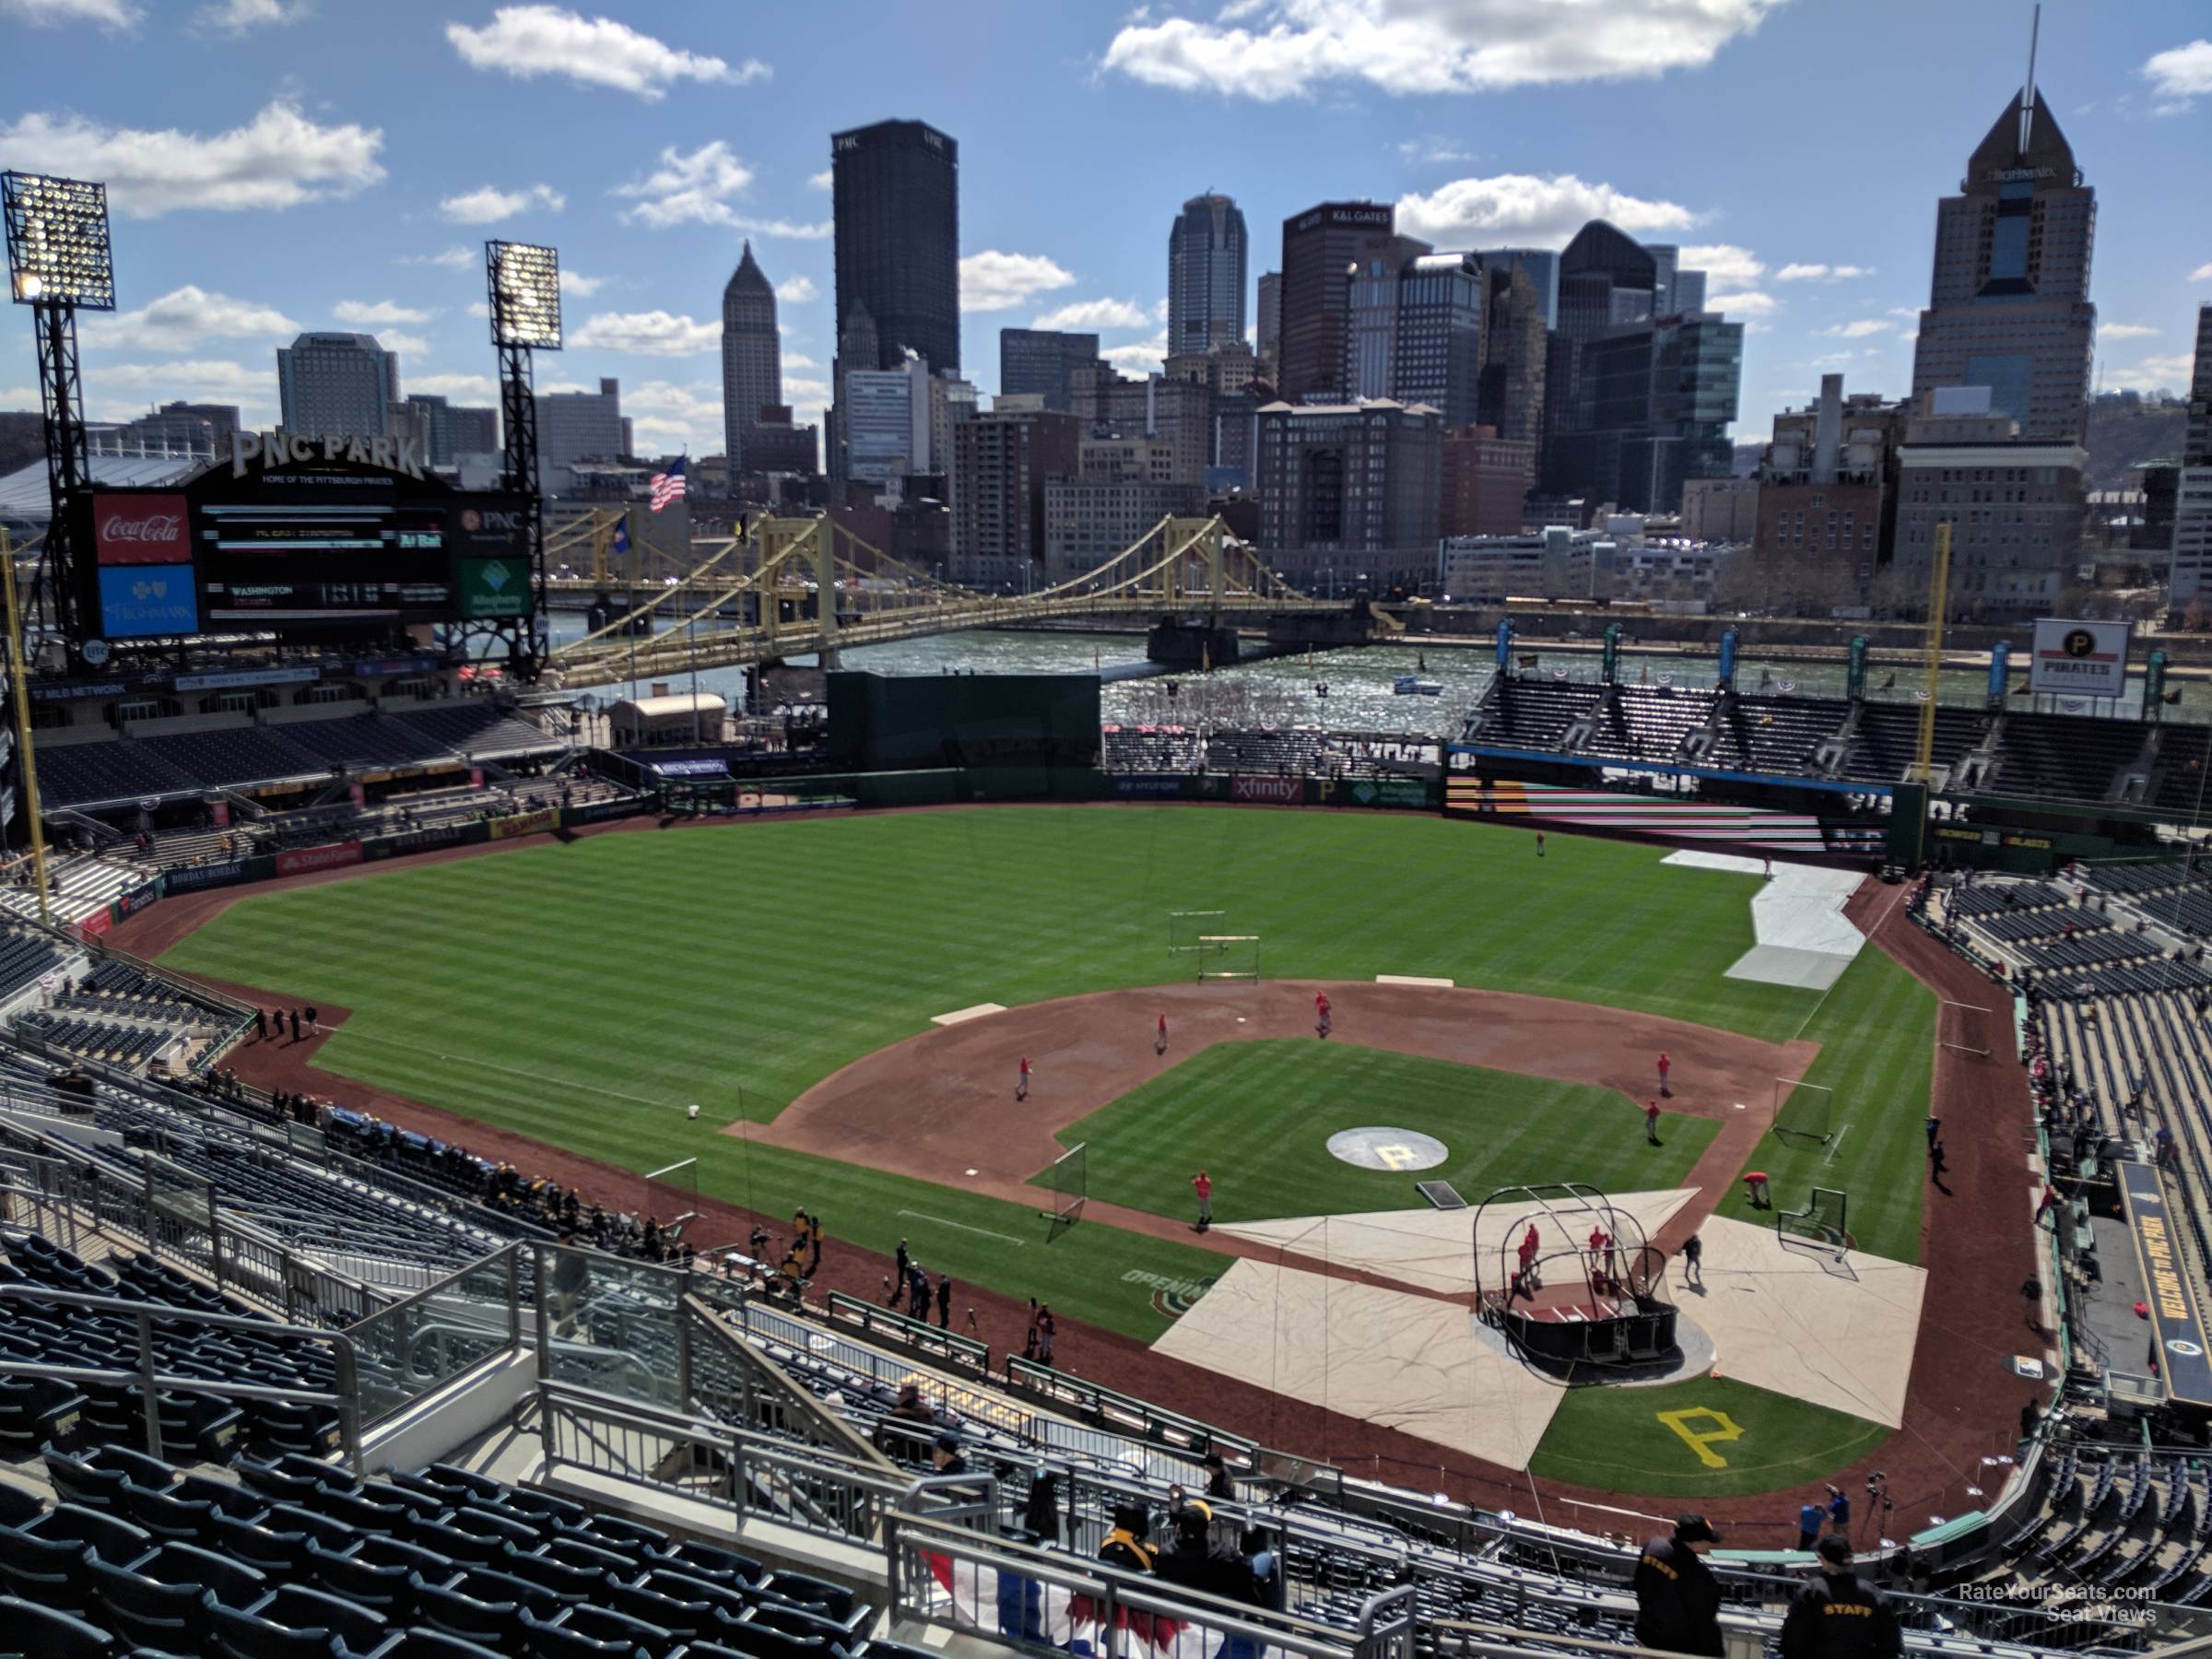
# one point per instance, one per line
(2009, 307)
(896, 194)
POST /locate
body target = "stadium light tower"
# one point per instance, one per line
(523, 284)
(59, 261)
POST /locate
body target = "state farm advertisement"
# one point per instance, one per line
(140, 530)
(1279, 790)
(303, 859)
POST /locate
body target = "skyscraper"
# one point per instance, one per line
(1320, 246)
(1269, 324)
(896, 194)
(2191, 567)
(1542, 264)
(339, 385)
(1607, 278)
(1511, 393)
(2009, 304)
(578, 426)
(752, 356)
(1039, 360)
(1206, 274)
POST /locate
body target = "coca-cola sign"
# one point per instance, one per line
(140, 529)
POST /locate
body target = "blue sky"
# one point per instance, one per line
(279, 164)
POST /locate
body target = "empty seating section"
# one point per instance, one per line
(1286, 754)
(1152, 748)
(127, 1046)
(1886, 739)
(1530, 713)
(2178, 783)
(1648, 722)
(25, 956)
(2116, 1517)
(58, 1332)
(1775, 735)
(187, 763)
(2062, 757)
(299, 1557)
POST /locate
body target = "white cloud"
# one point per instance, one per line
(578, 284)
(647, 334)
(478, 310)
(1724, 263)
(798, 359)
(2169, 373)
(2181, 74)
(821, 181)
(530, 41)
(479, 388)
(488, 204)
(992, 280)
(806, 394)
(702, 188)
(2124, 331)
(1905, 310)
(1822, 273)
(248, 17)
(1531, 210)
(1278, 49)
(797, 290)
(457, 258)
(1859, 328)
(279, 159)
(1144, 357)
(392, 339)
(195, 379)
(1747, 303)
(378, 313)
(183, 317)
(2203, 272)
(108, 14)
(1085, 315)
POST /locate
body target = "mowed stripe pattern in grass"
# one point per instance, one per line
(1877, 1031)
(1257, 1117)
(586, 993)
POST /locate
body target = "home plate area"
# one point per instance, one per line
(1787, 1319)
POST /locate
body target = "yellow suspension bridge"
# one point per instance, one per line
(796, 586)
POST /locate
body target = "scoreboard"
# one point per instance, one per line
(325, 547)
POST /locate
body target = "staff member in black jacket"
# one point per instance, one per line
(1678, 1599)
(1836, 1616)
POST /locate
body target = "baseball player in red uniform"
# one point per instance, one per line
(1665, 1065)
(1021, 1090)
(1321, 1014)
(1202, 1185)
(1651, 1121)
(1528, 1256)
(1160, 1044)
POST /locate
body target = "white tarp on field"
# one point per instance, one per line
(1797, 917)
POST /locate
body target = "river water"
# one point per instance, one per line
(1346, 690)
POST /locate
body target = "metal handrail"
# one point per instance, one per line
(344, 1397)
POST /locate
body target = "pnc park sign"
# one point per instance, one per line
(280, 448)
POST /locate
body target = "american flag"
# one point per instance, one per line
(668, 486)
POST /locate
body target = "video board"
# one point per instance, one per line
(303, 537)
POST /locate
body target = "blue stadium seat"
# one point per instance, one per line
(573, 1583)
(79, 1479)
(281, 1483)
(587, 1632)
(182, 1513)
(375, 1573)
(421, 1642)
(17, 1504)
(630, 1538)
(36, 1412)
(766, 1642)
(833, 1600)
(294, 1622)
(45, 1559)
(524, 1504)
(39, 1632)
(479, 1605)
(162, 1601)
(716, 1565)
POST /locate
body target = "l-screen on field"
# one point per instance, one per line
(792, 974)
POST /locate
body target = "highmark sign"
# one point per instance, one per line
(280, 448)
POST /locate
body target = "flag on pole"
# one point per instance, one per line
(620, 544)
(668, 486)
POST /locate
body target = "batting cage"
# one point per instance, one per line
(1821, 1223)
(1186, 928)
(1228, 956)
(1569, 1279)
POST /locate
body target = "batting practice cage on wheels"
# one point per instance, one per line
(1570, 1279)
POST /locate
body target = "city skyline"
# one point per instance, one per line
(255, 200)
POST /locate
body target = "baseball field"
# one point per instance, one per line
(584, 995)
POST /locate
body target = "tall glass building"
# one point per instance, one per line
(1206, 274)
(896, 194)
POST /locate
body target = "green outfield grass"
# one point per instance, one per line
(1617, 1440)
(1258, 1116)
(584, 993)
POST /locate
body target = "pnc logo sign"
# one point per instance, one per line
(148, 529)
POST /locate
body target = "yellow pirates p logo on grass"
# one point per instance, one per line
(1702, 1440)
